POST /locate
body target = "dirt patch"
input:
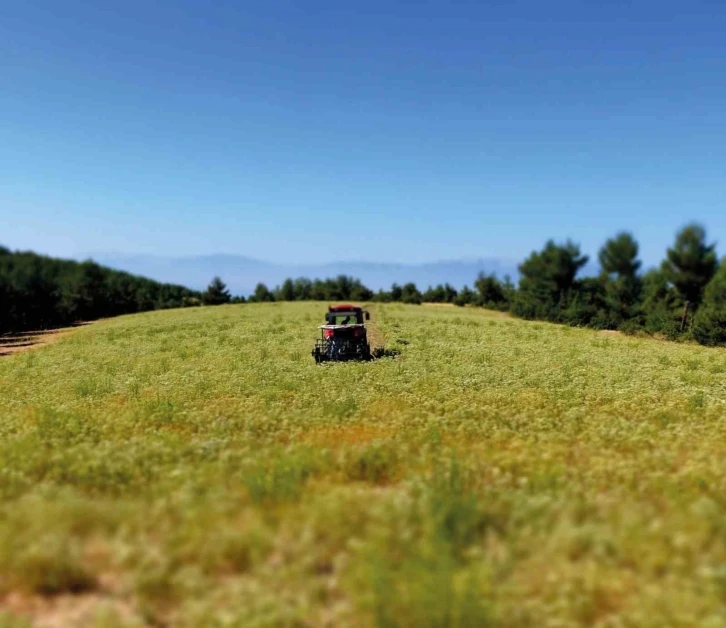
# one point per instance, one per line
(23, 341)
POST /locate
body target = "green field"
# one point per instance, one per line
(195, 467)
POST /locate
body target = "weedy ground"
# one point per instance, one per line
(195, 467)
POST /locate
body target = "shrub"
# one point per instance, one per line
(709, 323)
(709, 326)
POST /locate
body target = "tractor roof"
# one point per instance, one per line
(344, 307)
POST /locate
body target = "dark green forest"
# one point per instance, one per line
(682, 298)
(38, 292)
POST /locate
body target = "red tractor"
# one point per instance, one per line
(344, 336)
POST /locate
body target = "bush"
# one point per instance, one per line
(709, 324)
(605, 319)
(663, 321)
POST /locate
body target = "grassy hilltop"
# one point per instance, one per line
(195, 467)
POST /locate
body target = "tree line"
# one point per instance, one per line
(38, 292)
(684, 297)
(488, 292)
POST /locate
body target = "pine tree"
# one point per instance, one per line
(690, 265)
(546, 278)
(262, 294)
(286, 292)
(620, 264)
(433, 295)
(491, 292)
(619, 256)
(450, 293)
(410, 294)
(303, 289)
(660, 304)
(216, 293)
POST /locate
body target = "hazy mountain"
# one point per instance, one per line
(241, 273)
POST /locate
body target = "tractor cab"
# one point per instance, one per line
(345, 315)
(344, 335)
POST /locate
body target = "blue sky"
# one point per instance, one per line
(379, 130)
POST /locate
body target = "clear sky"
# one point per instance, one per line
(383, 130)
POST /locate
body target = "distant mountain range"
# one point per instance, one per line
(241, 274)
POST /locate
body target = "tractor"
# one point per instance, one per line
(344, 335)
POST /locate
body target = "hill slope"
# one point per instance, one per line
(193, 464)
